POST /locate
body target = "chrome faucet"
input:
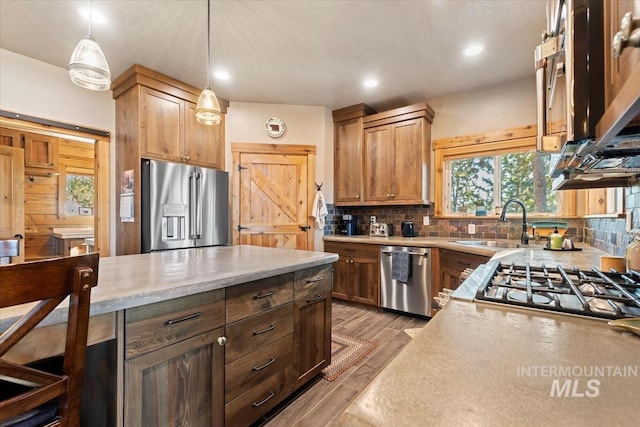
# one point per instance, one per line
(524, 239)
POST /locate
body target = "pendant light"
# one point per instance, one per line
(88, 67)
(208, 108)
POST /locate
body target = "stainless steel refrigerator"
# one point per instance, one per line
(183, 206)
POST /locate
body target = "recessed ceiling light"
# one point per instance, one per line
(222, 75)
(96, 16)
(473, 50)
(370, 83)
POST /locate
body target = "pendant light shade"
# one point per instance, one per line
(208, 108)
(88, 67)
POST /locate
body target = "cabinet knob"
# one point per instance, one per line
(222, 340)
(357, 196)
(187, 158)
(628, 36)
(392, 196)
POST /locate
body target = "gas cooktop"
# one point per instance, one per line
(593, 293)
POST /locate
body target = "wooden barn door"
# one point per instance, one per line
(272, 195)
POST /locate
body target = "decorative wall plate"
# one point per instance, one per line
(275, 127)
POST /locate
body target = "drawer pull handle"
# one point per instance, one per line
(316, 280)
(315, 298)
(266, 294)
(261, 367)
(183, 319)
(270, 328)
(265, 400)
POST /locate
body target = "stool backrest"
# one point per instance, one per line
(48, 283)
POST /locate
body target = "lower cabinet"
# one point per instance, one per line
(181, 384)
(357, 272)
(178, 370)
(450, 266)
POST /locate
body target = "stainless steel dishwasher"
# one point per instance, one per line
(414, 296)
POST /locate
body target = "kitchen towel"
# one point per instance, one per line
(400, 266)
(319, 210)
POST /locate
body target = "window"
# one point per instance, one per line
(490, 181)
(78, 195)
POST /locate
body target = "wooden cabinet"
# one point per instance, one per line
(347, 154)
(260, 351)
(357, 272)
(155, 118)
(397, 155)
(40, 152)
(312, 323)
(622, 74)
(174, 364)
(448, 265)
(393, 163)
(10, 137)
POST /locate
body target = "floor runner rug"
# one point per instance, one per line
(346, 351)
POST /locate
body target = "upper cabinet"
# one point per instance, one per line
(383, 158)
(40, 151)
(155, 119)
(347, 156)
(397, 155)
(622, 73)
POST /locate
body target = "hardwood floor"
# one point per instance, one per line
(321, 403)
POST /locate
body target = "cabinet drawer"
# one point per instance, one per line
(253, 297)
(153, 326)
(311, 281)
(250, 334)
(250, 370)
(361, 250)
(259, 400)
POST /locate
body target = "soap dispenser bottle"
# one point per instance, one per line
(555, 240)
(633, 253)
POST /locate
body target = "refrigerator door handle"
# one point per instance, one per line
(191, 208)
(198, 213)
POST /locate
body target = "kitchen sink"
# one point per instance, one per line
(490, 243)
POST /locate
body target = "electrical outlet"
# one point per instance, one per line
(629, 221)
(425, 220)
(472, 229)
(372, 220)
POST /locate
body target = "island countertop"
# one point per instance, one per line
(135, 280)
(481, 364)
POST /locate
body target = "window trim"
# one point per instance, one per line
(490, 143)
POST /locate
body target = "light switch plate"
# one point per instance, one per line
(629, 221)
(472, 229)
(425, 220)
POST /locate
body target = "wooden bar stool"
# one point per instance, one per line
(30, 396)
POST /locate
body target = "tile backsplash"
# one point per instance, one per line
(606, 234)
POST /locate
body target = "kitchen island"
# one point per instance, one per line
(178, 333)
(479, 363)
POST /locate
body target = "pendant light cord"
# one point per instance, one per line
(208, 42)
(90, 16)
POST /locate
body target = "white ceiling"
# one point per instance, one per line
(296, 52)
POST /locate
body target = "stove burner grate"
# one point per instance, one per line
(594, 293)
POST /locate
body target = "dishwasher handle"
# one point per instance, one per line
(410, 253)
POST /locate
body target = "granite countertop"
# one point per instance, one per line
(134, 280)
(481, 364)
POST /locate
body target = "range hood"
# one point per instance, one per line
(570, 101)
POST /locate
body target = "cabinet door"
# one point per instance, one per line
(204, 145)
(161, 125)
(312, 331)
(366, 280)
(181, 384)
(342, 278)
(10, 137)
(407, 161)
(40, 151)
(377, 160)
(348, 162)
(618, 70)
